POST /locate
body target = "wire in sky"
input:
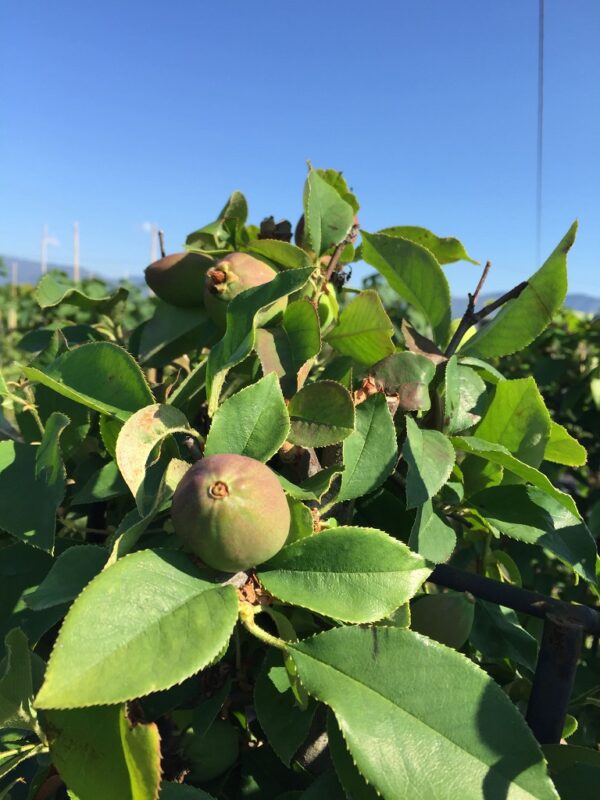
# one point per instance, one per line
(540, 133)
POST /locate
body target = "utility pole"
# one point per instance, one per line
(12, 317)
(44, 250)
(76, 276)
(153, 242)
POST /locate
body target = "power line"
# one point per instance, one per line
(540, 133)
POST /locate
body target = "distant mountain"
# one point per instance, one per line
(29, 272)
(578, 302)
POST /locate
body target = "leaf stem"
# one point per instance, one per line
(247, 615)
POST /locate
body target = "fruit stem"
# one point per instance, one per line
(247, 614)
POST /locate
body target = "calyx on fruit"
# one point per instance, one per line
(232, 275)
(178, 279)
(231, 512)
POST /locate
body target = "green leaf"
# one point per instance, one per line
(517, 419)
(301, 522)
(562, 448)
(49, 402)
(327, 217)
(133, 525)
(9, 759)
(254, 422)
(225, 231)
(99, 754)
(413, 272)
(446, 249)
(182, 791)
(279, 254)
(464, 391)
(364, 331)
(336, 179)
(100, 375)
(238, 341)
(446, 617)
(312, 488)
(408, 376)
(138, 438)
(530, 515)
(430, 536)
(430, 458)
(49, 465)
(172, 331)
(497, 454)
(190, 387)
(54, 289)
(489, 373)
(352, 574)
(16, 684)
(370, 453)
(285, 724)
(521, 320)
(288, 349)
(353, 782)
(151, 610)
(70, 573)
(28, 504)
(104, 484)
(438, 703)
(321, 414)
(496, 633)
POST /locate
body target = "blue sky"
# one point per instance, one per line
(117, 113)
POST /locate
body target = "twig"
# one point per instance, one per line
(161, 242)
(472, 317)
(335, 258)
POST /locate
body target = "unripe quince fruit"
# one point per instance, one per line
(231, 512)
(232, 275)
(178, 279)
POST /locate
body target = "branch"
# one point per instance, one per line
(472, 317)
(335, 258)
(161, 240)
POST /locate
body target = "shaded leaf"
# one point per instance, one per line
(430, 536)
(407, 375)
(370, 453)
(430, 458)
(49, 465)
(285, 724)
(312, 488)
(499, 455)
(280, 254)
(28, 504)
(100, 755)
(321, 414)
(70, 573)
(496, 633)
(530, 515)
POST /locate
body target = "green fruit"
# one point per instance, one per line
(232, 275)
(446, 617)
(178, 279)
(231, 512)
(212, 754)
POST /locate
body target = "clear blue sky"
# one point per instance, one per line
(114, 113)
